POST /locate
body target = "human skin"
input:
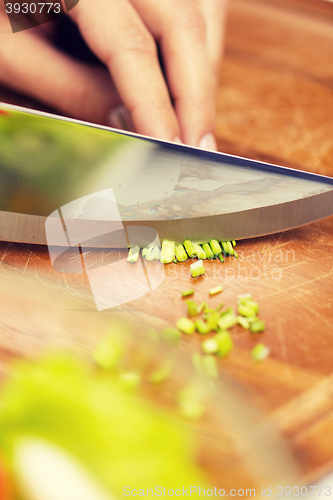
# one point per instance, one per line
(177, 104)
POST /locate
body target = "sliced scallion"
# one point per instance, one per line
(260, 352)
(208, 251)
(133, 254)
(202, 327)
(243, 322)
(200, 253)
(257, 326)
(186, 325)
(245, 310)
(186, 293)
(189, 248)
(168, 251)
(210, 346)
(215, 290)
(192, 307)
(225, 343)
(227, 320)
(181, 255)
(197, 269)
(215, 246)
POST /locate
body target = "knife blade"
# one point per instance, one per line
(47, 162)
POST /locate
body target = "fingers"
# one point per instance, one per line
(117, 35)
(180, 29)
(215, 13)
(30, 65)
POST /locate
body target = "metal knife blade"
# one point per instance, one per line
(47, 161)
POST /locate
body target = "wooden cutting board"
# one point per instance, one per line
(275, 104)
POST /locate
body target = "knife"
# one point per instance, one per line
(49, 162)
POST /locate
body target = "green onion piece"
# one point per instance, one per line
(220, 256)
(210, 346)
(168, 251)
(175, 261)
(192, 308)
(144, 252)
(244, 297)
(233, 243)
(202, 306)
(212, 320)
(252, 319)
(227, 248)
(208, 251)
(129, 380)
(215, 290)
(133, 254)
(181, 255)
(160, 375)
(260, 352)
(257, 326)
(209, 366)
(202, 327)
(192, 410)
(150, 255)
(215, 246)
(197, 363)
(235, 255)
(245, 310)
(108, 352)
(189, 248)
(171, 334)
(225, 343)
(197, 269)
(243, 322)
(231, 250)
(219, 307)
(186, 325)
(186, 293)
(157, 253)
(227, 320)
(200, 253)
(253, 305)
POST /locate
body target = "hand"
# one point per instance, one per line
(123, 34)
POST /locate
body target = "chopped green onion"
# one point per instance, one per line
(245, 310)
(202, 306)
(168, 251)
(210, 346)
(215, 246)
(227, 320)
(192, 307)
(227, 248)
(129, 380)
(175, 261)
(108, 352)
(220, 256)
(144, 252)
(202, 327)
(186, 325)
(189, 248)
(186, 293)
(208, 251)
(253, 305)
(181, 255)
(171, 334)
(160, 375)
(225, 343)
(257, 326)
(219, 307)
(212, 320)
(235, 255)
(200, 253)
(243, 298)
(243, 322)
(197, 269)
(233, 243)
(157, 253)
(215, 290)
(133, 254)
(193, 410)
(209, 366)
(260, 352)
(197, 363)
(150, 255)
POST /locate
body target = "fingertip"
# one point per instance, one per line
(208, 142)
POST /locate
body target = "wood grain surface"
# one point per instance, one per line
(275, 103)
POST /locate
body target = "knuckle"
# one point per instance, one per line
(139, 42)
(191, 20)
